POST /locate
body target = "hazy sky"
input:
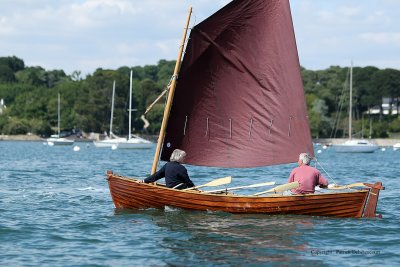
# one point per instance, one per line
(88, 34)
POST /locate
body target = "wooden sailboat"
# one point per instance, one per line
(239, 103)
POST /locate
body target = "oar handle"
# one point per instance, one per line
(280, 188)
(193, 188)
(242, 187)
(216, 182)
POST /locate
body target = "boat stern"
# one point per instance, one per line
(372, 200)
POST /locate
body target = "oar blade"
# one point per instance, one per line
(220, 181)
(216, 182)
(280, 188)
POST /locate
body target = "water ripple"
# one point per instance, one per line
(56, 210)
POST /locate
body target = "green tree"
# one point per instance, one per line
(165, 71)
(8, 67)
(16, 126)
(6, 74)
(320, 124)
(32, 75)
(14, 63)
(365, 94)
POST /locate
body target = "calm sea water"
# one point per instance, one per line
(56, 210)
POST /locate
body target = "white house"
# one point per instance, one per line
(385, 107)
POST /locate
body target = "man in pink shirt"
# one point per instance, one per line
(307, 176)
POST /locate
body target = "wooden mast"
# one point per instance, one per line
(170, 98)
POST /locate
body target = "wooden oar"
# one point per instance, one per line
(280, 188)
(216, 182)
(240, 187)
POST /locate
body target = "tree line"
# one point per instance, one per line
(30, 95)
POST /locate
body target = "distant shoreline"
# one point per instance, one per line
(20, 137)
(324, 141)
(32, 137)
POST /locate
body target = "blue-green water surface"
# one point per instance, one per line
(56, 210)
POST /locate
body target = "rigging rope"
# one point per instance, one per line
(340, 106)
(330, 177)
(173, 77)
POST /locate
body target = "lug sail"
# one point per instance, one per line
(239, 101)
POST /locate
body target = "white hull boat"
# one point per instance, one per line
(109, 142)
(135, 142)
(356, 146)
(396, 146)
(57, 141)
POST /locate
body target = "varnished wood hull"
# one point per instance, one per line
(129, 193)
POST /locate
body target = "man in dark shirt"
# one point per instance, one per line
(175, 174)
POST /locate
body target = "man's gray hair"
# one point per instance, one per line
(178, 155)
(305, 158)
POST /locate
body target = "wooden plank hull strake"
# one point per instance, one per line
(129, 193)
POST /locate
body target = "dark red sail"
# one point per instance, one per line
(240, 100)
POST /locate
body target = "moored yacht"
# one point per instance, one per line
(356, 146)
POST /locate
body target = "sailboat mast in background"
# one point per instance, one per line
(354, 145)
(56, 139)
(130, 107)
(58, 115)
(112, 109)
(351, 100)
